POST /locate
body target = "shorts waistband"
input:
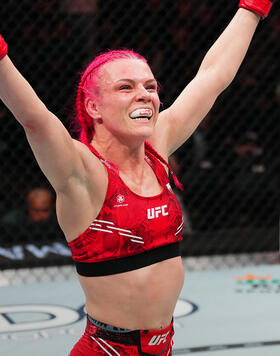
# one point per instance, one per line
(126, 336)
(107, 327)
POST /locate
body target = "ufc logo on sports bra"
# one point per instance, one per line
(154, 213)
(158, 339)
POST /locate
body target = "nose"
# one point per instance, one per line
(143, 94)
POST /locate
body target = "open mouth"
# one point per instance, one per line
(141, 114)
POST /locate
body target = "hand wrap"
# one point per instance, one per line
(260, 7)
(3, 48)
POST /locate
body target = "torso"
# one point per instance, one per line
(144, 298)
(141, 299)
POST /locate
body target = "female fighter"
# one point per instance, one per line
(114, 201)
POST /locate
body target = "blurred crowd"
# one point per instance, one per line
(229, 166)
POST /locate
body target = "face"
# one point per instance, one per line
(39, 207)
(127, 103)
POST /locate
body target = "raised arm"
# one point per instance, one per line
(216, 72)
(53, 147)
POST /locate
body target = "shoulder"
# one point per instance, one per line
(95, 172)
(88, 158)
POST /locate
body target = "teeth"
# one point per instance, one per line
(141, 113)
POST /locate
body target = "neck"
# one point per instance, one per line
(125, 157)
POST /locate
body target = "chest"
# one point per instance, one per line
(130, 225)
(145, 185)
(126, 212)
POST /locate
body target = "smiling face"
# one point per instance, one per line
(127, 102)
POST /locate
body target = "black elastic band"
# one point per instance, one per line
(107, 327)
(120, 265)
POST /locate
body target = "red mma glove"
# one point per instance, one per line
(260, 7)
(3, 48)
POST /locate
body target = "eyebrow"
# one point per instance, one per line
(133, 81)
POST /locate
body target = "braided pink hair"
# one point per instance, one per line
(150, 148)
(88, 86)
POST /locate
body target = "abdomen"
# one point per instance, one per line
(140, 299)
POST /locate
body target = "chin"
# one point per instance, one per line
(144, 133)
(137, 138)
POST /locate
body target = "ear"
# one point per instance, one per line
(92, 109)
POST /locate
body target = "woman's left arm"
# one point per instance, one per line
(216, 72)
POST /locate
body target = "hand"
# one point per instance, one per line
(259, 7)
(3, 48)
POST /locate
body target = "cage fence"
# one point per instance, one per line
(230, 165)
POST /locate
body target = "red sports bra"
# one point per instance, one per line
(130, 231)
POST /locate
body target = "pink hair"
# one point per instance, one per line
(89, 86)
(150, 148)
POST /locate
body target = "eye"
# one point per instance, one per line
(125, 87)
(152, 87)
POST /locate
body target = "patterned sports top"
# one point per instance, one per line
(130, 231)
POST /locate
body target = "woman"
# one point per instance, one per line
(114, 201)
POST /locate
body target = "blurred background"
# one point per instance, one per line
(230, 165)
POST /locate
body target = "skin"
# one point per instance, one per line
(144, 298)
(39, 202)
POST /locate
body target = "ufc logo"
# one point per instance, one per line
(156, 212)
(158, 339)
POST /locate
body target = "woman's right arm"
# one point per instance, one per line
(58, 155)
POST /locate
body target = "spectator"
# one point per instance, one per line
(34, 220)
